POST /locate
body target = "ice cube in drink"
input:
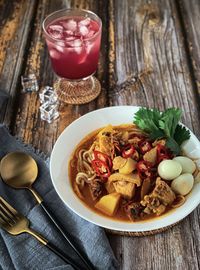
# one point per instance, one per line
(74, 44)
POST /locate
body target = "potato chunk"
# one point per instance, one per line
(108, 204)
(151, 155)
(128, 167)
(126, 189)
(119, 162)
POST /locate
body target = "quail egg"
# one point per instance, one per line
(188, 165)
(169, 169)
(183, 184)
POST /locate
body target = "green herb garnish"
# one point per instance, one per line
(163, 125)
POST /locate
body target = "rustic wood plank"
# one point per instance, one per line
(15, 17)
(150, 54)
(190, 16)
(176, 248)
(28, 124)
(149, 67)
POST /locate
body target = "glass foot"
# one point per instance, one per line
(77, 92)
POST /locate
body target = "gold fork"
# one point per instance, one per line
(15, 223)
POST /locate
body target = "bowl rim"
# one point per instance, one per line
(114, 224)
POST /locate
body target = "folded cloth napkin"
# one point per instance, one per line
(23, 251)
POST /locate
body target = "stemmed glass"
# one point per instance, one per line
(73, 38)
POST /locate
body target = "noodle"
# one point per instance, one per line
(111, 173)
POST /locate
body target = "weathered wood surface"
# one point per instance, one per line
(190, 17)
(28, 124)
(149, 56)
(149, 49)
(15, 17)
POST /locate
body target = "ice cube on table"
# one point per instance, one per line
(54, 54)
(48, 95)
(55, 31)
(83, 30)
(29, 83)
(84, 22)
(70, 25)
(49, 112)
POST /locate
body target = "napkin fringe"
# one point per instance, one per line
(31, 148)
(19, 255)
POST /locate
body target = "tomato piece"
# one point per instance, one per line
(143, 165)
(144, 146)
(162, 153)
(128, 151)
(145, 169)
(103, 157)
(101, 168)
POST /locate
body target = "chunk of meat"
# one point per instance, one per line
(118, 162)
(96, 188)
(146, 185)
(163, 192)
(180, 199)
(105, 140)
(151, 156)
(134, 210)
(131, 177)
(160, 209)
(160, 197)
(153, 205)
(105, 145)
(126, 189)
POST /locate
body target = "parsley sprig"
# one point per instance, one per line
(163, 125)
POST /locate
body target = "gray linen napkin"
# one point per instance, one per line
(23, 251)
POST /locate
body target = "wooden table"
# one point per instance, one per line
(150, 56)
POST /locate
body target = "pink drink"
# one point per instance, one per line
(74, 45)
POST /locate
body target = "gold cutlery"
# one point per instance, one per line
(20, 170)
(15, 223)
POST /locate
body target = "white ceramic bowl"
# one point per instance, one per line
(63, 149)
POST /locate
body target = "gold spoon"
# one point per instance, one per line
(19, 170)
